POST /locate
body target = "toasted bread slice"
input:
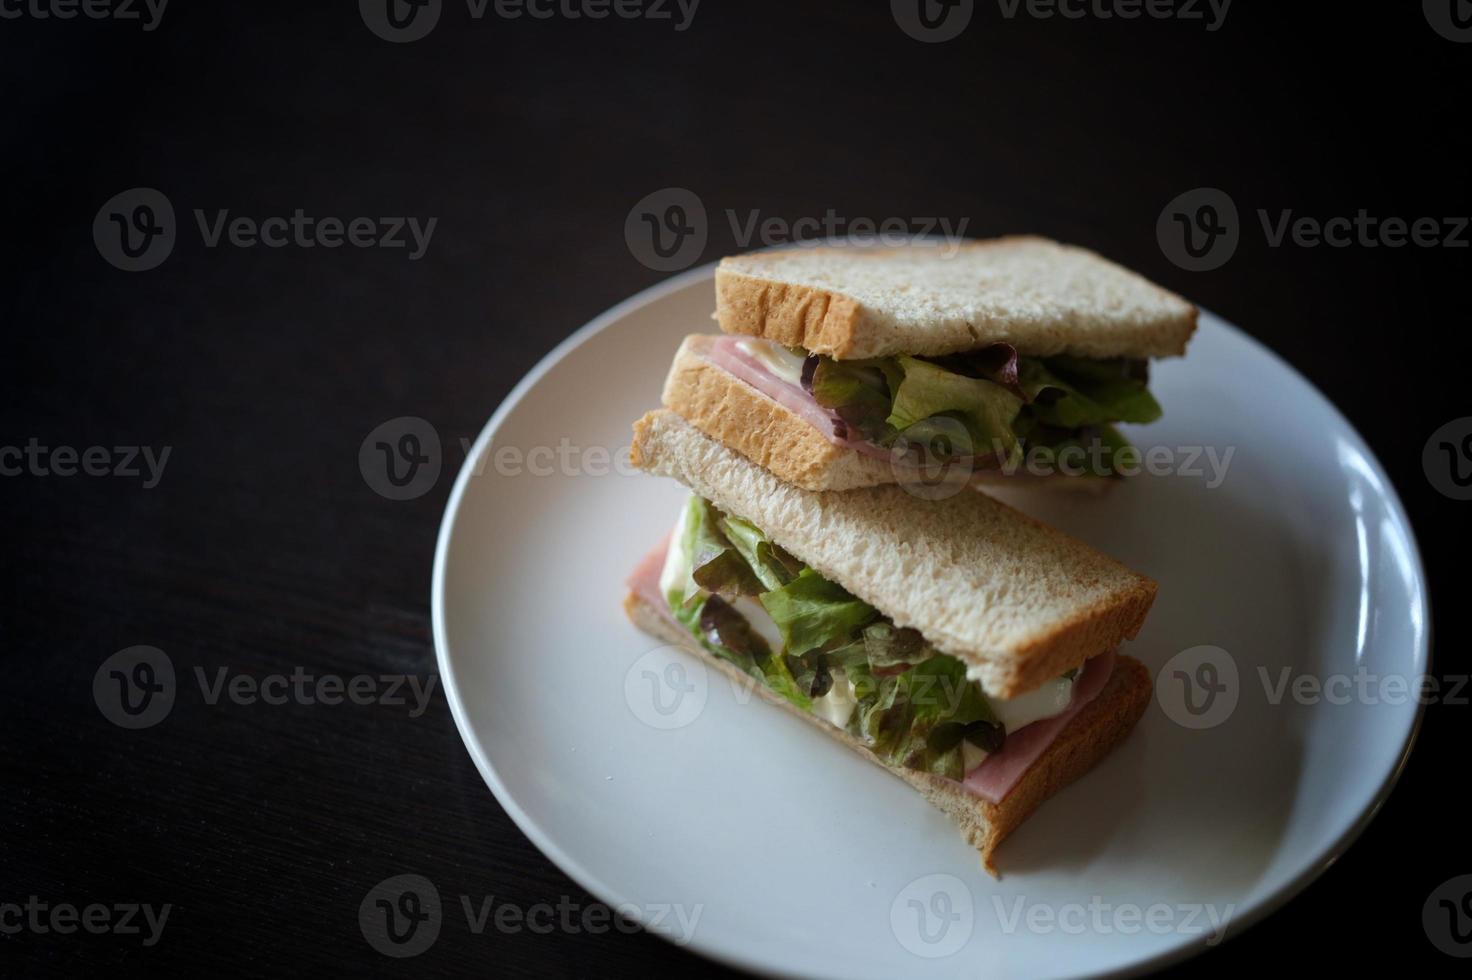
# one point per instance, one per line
(932, 298)
(1101, 725)
(774, 436)
(1018, 601)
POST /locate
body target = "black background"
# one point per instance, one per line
(262, 548)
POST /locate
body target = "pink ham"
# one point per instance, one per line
(995, 777)
(644, 580)
(999, 772)
(726, 354)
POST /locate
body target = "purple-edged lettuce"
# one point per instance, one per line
(915, 706)
(989, 405)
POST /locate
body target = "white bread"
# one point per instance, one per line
(772, 435)
(1095, 730)
(1018, 601)
(928, 299)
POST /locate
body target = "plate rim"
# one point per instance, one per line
(612, 896)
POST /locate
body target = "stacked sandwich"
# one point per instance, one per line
(961, 645)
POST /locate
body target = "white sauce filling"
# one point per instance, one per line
(775, 358)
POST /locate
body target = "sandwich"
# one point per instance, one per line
(852, 367)
(955, 642)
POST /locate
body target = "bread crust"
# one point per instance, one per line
(828, 320)
(764, 431)
(1101, 725)
(952, 568)
(773, 436)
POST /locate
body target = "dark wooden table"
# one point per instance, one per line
(260, 550)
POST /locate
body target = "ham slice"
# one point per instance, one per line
(726, 354)
(644, 579)
(995, 777)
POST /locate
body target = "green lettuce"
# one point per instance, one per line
(1073, 392)
(812, 613)
(769, 563)
(985, 408)
(1000, 403)
(916, 707)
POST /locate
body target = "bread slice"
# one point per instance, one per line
(930, 299)
(1018, 601)
(774, 436)
(1095, 730)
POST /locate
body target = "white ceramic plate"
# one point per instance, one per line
(788, 855)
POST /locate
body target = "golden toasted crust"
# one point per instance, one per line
(1098, 728)
(769, 434)
(799, 316)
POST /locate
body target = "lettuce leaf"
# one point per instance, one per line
(887, 645)
(812, 613)
(858, 392)
(985, 408)
(1073, 392)
(999, 402)
(916, 707)
(727, 573)
(769, 563)
(921, 718)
